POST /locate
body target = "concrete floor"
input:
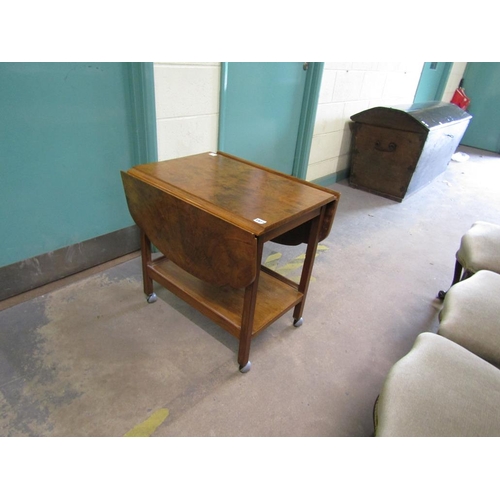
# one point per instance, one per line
(89, 357)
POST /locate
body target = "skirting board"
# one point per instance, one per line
(327, 180)
(37, 271)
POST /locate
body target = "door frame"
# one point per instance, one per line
(307, 119)
(307, 115)
(144, 112)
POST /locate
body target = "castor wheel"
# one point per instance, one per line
(298, 322)
(441, 295)
(246, 368)
(151, 298)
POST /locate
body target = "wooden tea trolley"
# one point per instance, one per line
(210, 215)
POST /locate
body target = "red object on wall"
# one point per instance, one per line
(460, 99)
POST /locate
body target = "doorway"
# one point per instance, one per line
(267, 112)
(432, 81)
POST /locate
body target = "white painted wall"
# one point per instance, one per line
(456, 74)
(187, 108)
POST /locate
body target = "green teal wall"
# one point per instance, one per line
(482, 86)
(67, 129)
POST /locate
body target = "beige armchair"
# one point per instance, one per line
(439, 389)
(479, 249)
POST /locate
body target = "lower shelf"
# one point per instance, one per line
(224, 305)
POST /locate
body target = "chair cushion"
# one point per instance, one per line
(471, 315)
(439, 389)
(480, 248)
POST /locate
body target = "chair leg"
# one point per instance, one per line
(458, 275)
(375, 416)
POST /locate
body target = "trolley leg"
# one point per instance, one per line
(312, 246)
(146, 259)
(250, 300)
(246, 327)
